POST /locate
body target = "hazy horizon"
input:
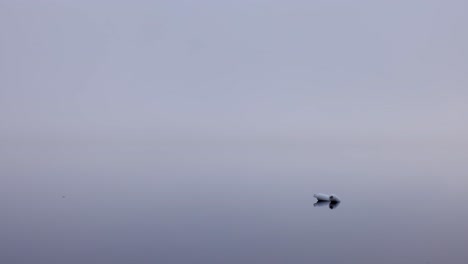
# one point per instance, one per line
(198, 131)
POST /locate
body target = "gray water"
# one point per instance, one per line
(231, 202)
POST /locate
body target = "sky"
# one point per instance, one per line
(234, 71)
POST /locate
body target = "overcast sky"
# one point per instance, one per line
(333, 70)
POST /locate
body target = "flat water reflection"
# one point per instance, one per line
(231, 206)
(331, 205)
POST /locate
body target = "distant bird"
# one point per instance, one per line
(334, 198)
(326, 197)
(322, 197)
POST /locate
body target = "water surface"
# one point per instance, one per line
(231, 203)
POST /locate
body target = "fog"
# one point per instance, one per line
(198, 131)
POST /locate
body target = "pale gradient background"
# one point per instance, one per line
(198, 131)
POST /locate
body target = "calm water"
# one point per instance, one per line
(232, 203)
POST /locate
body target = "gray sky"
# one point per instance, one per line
(234, 70)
